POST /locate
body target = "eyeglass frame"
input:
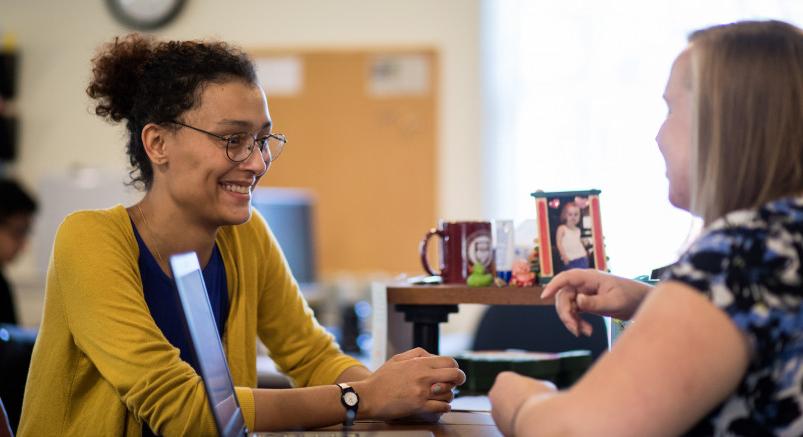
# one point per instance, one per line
(227, 140)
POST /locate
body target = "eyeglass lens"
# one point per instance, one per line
(240, 147)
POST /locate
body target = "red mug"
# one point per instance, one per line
(462, 245)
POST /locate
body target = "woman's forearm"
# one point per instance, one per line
(355, 373)
(637, 291)
(545, 414)
(300, 408)
(312, 407)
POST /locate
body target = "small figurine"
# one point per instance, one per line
(522, 276)
(535, 260)
(479, 277)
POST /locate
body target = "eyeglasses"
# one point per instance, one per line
(240, 146)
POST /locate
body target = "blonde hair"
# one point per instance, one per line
(747, 128)
(564, 213)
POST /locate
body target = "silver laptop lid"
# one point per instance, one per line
(206, 347)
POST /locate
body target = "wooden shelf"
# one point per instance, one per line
(457, 294)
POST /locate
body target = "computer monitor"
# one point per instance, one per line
(288, 212)
(76, 188)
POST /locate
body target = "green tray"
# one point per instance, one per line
(481, 368)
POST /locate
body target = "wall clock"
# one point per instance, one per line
(145, 14)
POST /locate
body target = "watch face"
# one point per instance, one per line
(350, 399)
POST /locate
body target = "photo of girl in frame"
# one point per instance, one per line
(569, 232)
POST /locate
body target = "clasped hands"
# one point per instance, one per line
(414, 385)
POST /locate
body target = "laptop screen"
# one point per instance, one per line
(207, 349)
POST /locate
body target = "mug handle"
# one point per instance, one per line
(422, 249)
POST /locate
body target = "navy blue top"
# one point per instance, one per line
(163, 303)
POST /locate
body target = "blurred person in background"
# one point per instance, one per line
(17, 209)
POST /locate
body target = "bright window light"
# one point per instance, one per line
(572, 95)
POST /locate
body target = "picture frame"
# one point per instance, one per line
(569, 232)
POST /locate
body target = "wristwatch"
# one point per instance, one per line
(351, 401)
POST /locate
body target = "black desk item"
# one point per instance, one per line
(8, 138)
(425, 319)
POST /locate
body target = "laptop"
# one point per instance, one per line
(207, 351)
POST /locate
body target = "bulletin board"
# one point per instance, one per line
(362, 137)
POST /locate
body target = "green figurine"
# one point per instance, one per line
(478, 277)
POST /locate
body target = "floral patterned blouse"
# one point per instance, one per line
(748, 263)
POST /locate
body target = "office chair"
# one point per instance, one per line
(16, 347)
(537, 329)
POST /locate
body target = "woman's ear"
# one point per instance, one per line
(153, 138)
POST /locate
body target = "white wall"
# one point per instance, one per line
(57, 39)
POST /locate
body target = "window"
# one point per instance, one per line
(572, 101)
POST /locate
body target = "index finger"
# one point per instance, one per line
(583, 280)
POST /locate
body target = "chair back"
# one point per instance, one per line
(537, 329)
(16, 347)
(5, 426)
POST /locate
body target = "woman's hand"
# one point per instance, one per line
(592, 291)
(413, 383)
(438, 389)
(509, 393)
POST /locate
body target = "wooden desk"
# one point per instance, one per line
(452, 424)
(426, 306)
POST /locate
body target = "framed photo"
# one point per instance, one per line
(569, 232)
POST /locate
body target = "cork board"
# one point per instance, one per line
(362, 137)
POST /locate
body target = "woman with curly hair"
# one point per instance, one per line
(111, 357)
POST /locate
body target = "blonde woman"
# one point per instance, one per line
(717, 347)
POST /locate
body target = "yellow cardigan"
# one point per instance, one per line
(101, 366)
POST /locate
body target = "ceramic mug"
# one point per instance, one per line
(462, 245)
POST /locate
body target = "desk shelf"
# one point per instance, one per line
(426, 306)
(457, 294)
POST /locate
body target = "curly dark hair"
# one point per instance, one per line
(142, 80)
